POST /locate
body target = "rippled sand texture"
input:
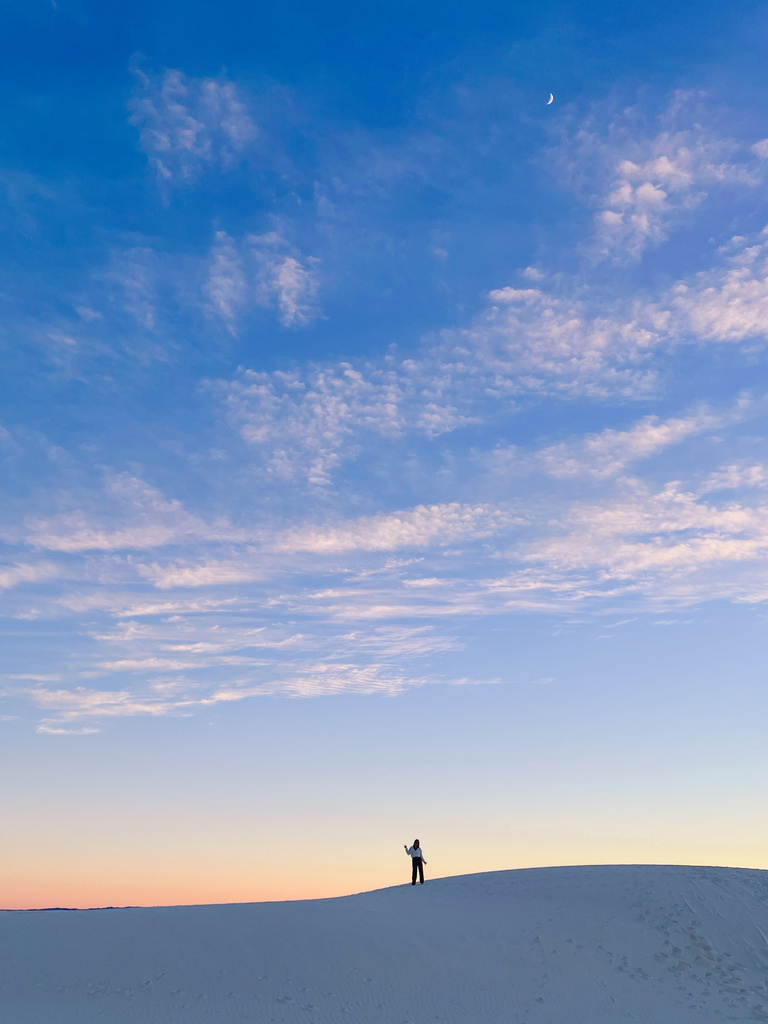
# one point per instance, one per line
(586, 945)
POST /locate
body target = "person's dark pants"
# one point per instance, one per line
(417, 866)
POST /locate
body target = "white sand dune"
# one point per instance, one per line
(585, 945)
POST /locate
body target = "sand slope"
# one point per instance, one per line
(588, 945)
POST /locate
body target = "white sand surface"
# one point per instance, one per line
(584, 945)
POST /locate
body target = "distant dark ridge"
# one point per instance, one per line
(44, 910)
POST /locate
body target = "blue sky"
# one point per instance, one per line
(350, 385)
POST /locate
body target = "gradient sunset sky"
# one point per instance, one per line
(384, 450)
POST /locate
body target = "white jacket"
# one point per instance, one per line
(416, 851)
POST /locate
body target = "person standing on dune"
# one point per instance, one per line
(416, 854)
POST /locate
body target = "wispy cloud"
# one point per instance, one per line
(736, 476)
(653, 172)
(527, 343)
(358, 632)
(324, 471)
(262, 270)
(284, 280)
(36, 572)
(187, 124)
(729, 303)
(227, 287)
(132, 283)
(530, 340)
(418, 527)
(137, 516)
(207, 574)
(318, 668)
(658, 544)
(128, 605)
(66, 707)
(307, 423)
(611, 451)
(50, 729)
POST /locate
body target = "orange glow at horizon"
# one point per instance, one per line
(78, 886)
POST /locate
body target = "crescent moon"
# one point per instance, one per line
(551, 98)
